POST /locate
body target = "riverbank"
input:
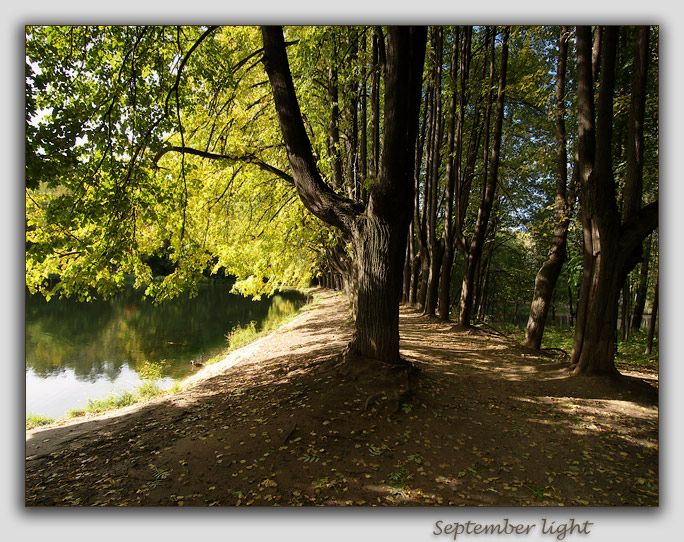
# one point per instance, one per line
(286, 421)
(153, 380)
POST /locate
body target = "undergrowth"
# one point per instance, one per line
(630, 352)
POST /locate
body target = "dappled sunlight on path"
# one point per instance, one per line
(290, 420)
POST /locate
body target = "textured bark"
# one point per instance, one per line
(381, 234)
(609, 243)
(315, 194)
(378, 231)
(547, 277)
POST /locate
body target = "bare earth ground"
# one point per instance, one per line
(285, 421)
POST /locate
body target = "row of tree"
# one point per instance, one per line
(429, 154)
(604, 88)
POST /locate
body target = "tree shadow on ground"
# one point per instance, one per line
(296, 423)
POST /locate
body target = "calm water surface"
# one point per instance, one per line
(79, 351)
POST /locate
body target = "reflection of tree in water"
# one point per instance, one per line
(96, 339)
(280, 307)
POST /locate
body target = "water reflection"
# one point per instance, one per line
(76, 351)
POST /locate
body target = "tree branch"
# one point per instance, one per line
(247, 158)
(634, 231)
(315, 194)
(182, 65)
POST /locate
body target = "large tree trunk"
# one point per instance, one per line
(610, 245)
(380, 236)
(546, 279)
(378, 230)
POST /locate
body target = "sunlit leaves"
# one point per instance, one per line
(103, 198)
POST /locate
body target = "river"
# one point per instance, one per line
(79, 351)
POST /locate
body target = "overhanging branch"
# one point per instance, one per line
(247, 158)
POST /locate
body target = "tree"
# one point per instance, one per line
(612, 243)
(144, 142)
(377, 230)
(547, 276)
(473, 250)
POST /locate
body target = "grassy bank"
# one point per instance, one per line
(242, 335)
(147, 390)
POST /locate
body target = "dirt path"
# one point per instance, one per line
(284, 421)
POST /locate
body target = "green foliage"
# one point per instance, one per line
(147, 390)
(239, 336)
(399, 477)
(105, 197)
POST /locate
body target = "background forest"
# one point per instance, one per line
(154, 155)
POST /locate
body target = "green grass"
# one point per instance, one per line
(34, 420)
(241, 335)
(630, 352)
(147, 390)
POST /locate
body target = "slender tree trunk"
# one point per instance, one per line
(421, 227)
(640, 301)
(334, 128)
(375, 103)
(416, 240)
(363, 144)
(453, 157)
(546, 279)
(352, 123)
(475, 248)
(652, 322)
(484, 267)
(434, 241)
(625, 310)
(406, 288)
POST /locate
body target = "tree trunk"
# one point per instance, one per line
(334, 128)
(609, 243)
(652, 323)
(380, 236)
(640, 301)
(375, 103)
(453, 157)
(433, 167)
(571, 318)
(546, 279)
(474, 251)
(378, 230)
